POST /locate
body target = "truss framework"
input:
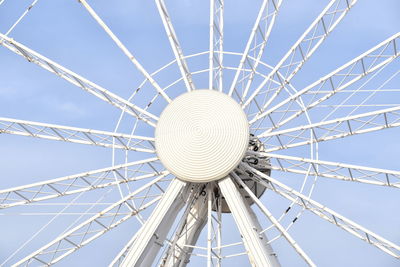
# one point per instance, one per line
(76, 135)
(176, 47)
(216, 44)
(77, 183)
(255, 47)
(324, 212)
(89, 230)
(333, 83)
(300, 52)
(334, 129)
(78, 80)
(333, 170)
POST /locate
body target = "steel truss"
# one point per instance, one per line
(255, 46)
(76, 135)
(324, 212)
(78, 80)
(216, 45)
(198, 207)
(334, 129)
(77, 183)
(333, 83)
(299, 53)
(89, 230)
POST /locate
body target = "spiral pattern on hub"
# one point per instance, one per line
(202, 136)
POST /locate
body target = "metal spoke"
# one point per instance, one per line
(77, 183)
(21, 17)
(274, 221)
(334, 170)
(89, 230)
(302, 50)
(259, 251)
(173, 39)
(125, 51)
(362, 66)
(255, 46)
(78, 80)
(324, 212)
(76, 135)
(153, 233)
(334, 129)
(216, 44)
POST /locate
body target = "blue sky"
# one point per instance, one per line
(63, 31)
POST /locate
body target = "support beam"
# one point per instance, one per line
(193, 222)
(153, 233)
(259, 251)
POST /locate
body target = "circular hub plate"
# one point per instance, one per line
(202, 136)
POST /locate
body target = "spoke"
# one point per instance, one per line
(301, 51)
(125, 51)
(362, 66)
(216, 44)
(259, 251)
(77, 80)
(334, 129)
(188, 232)
(255, 46)
(21, 17)
(324, 212)
(75, 135)
(275, 222)
(173, 39)
(76, 183)
(153, 233)
(89, 230)
(334, 170)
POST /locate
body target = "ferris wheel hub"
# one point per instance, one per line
(202, 136)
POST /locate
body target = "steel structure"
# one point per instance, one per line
(194, 159)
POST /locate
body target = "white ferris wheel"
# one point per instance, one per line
(232, 140)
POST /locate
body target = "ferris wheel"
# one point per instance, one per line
(219, 151)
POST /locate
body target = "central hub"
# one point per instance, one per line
(202, 136)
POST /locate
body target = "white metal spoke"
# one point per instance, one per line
(301, 51)
(77, 183)
(125, 51)
(334, 129)
(255, 46)
(259, 251)
(336, 81)
(216, 44)
(192, 222)
(89, 230)
(78, 80)
(21, 17)
(274, 221)
(76, 135)
(173, 39)
(334, 170)
(324, 212)
(154, 231)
